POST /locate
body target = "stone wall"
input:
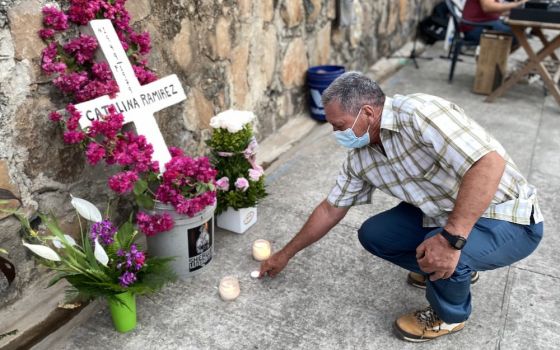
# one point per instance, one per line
(239, 54)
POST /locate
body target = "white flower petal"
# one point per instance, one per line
(43, 251)
(232, 120)
(70, 240)
(100, 254)
(57, 243)
(86, 209)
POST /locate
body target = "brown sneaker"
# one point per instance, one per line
(423, 325)
(419, 281)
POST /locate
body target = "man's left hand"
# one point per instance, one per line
(436, 256)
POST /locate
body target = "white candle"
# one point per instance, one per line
(261, 249)
(229, 288)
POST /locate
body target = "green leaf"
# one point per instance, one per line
(140, 187)
(126, 235)
(145, 201)
(57, 278)
(88, 250)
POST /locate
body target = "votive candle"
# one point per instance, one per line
(261, 249)
(229, 288)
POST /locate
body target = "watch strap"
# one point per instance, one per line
(455, 241)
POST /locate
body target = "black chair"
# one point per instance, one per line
(459, 41)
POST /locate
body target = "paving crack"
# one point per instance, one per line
(534, 148)
(536, 272)
(505, 305)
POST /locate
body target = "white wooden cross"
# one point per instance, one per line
(137, 103)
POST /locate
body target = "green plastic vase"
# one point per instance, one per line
(124, 313)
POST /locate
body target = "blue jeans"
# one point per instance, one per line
(498, 25)
(393, 235)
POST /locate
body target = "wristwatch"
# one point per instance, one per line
(456, 242)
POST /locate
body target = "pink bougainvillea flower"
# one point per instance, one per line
(123, 182)
(83, 11)
(95, 88)
(55, 116)
(54, 18)
(72, 137)
(144, 76)
(176, 152)
(142, 41)
(46, 33)
(73, 121)
(82, 48)
(102, 71)
(108, 126)
(94, 153)
(72, 82)
(49, 62)
(151, 225)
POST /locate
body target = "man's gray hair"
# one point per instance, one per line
(352, 90)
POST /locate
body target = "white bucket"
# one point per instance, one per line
(190, 241)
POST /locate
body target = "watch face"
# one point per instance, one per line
(460, 243)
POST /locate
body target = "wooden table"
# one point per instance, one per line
(535, 60)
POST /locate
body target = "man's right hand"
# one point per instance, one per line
(323, 218)
(273, 265)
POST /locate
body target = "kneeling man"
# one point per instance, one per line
(465, 205)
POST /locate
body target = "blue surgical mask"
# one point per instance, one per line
(348, 138)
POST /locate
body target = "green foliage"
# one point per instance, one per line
(224, 141)
(234, 167)
(142, 196)
(237, 199)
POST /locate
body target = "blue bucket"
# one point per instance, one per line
(318, 79)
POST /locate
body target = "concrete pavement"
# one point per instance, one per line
(335, 295)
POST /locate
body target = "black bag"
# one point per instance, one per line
(434, 27)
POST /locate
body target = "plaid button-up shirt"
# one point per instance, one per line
(429, 145)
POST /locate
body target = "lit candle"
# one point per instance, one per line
(229, 288)
(261, 249)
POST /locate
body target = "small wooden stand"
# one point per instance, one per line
(492, 62)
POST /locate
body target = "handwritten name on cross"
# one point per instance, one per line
(137, 103)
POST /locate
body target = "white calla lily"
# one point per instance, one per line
(86, 209)
(100, 254)
(70, 240)
(43, 251)
(58, 244)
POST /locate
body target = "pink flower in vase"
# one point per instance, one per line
(223, 183)
(154, 224)
(255, 174)
(123, 182)
(242, 184)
